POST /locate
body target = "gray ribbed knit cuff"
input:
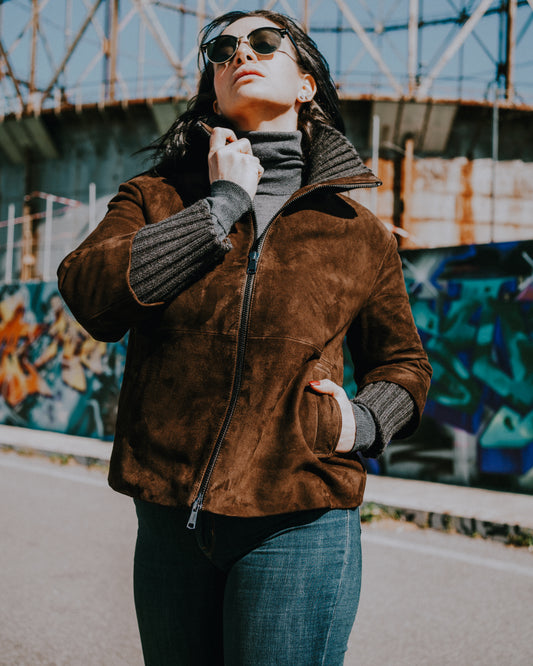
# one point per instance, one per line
(392, 408)
(169, 256)
(365, 427)
(228, 203)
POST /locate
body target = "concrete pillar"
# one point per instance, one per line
(28, 258)
(407, 184)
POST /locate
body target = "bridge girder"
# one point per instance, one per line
(51, 50)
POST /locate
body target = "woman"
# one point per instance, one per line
(239, 264)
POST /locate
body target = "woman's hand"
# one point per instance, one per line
(347, 436)
(232, 159)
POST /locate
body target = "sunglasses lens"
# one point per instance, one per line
(221, 48)
(265, 40)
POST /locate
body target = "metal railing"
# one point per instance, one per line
(33, 243)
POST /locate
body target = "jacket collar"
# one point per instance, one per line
(332, 162)
(333, 157)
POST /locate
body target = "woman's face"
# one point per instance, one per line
(261, 92)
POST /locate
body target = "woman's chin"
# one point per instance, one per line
(255, 110)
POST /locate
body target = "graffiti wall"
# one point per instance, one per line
(473, 306)
(53, 375)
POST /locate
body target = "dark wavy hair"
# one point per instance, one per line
(322, 110)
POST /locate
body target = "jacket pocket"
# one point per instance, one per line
(319, 414)
(329, 425)
(320, 422)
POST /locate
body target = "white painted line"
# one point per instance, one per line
(72, 475)
(450, 555)
(55, 472)
(42, 440)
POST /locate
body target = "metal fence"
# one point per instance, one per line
(32, 244)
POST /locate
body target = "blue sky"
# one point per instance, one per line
(470, 73)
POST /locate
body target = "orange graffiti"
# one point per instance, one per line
(78, 349)
(69, 342)
(18, 376)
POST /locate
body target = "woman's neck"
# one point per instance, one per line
(280, 154)
(261, 121)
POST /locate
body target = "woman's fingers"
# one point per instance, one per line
(227, 139)
(327, 386)
(233, 161)
(220, 137)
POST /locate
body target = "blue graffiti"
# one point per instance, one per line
(473, 309)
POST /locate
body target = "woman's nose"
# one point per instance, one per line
(244, 53)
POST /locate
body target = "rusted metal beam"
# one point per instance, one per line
(26, 27)
(285, 6)
(28, 257)
(10, 243)
(47, 245)
(113, 48)
(71, 48)
(141, 48)
(11, 75)
(375, 159)
(494, 162)
(182, 9)
(407, 183)
(453, 47)
(98, 56)
(412, 57)
(201, 14)
(305, 17)
(33, 56)
(369, 46)
(510, 50)
(151, 21)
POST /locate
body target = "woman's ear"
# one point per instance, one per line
(307, 88)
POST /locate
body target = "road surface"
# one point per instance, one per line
(66, 551)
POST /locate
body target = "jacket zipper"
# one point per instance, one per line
(242, 335)
(251, 270)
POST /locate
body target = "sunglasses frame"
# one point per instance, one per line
(281, 31)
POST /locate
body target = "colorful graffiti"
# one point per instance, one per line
(53, 375)
(473, 307)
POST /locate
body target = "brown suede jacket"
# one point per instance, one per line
(215, 409)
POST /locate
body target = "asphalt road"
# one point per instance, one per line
(66, 546)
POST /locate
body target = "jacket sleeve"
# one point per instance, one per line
(94, 279)
(168, 256)
(381, 410)
(384, 342)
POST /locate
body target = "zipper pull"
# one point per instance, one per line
(196, 506)
(252, 262)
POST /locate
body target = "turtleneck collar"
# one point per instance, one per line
(280, 154)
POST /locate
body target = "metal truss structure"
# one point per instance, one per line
(74, 52)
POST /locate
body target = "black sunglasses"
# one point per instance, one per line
(263, 41)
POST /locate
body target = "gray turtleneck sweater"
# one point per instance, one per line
(380, 409)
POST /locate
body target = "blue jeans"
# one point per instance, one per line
(246, 591)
